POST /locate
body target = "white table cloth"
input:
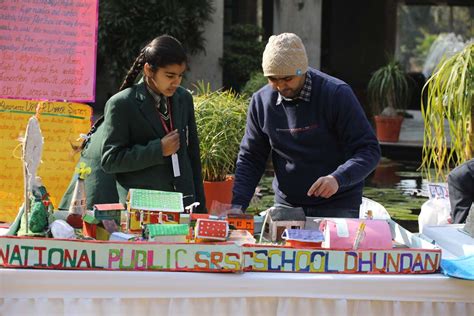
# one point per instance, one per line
(43, 292)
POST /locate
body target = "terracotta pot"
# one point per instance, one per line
(388, 128)
(220, 191)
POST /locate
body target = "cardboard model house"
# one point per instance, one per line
(210, 229)
(167, 233)
(144, 207)
(280, 218)
(241, 222)
(110, 211)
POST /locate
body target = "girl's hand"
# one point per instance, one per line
(170, 143)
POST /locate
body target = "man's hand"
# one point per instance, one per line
(170, 143)
(324, 187)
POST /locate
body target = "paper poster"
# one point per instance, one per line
(438, 190)
(48, 49)
(61, 124)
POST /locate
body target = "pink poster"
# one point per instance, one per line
(48, 49)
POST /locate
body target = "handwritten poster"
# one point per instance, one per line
(61, 124)
(48, 49)
(438, 191)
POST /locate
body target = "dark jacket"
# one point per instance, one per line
(132, 144)
(330, 135)
(100, 186)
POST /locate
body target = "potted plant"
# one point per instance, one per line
(388, 94)
(449, 101)
(220, 119)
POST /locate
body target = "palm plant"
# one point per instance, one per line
(388, 94)
(220, 119)
(388, 90)
(449, 99)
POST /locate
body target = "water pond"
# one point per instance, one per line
(397, 185)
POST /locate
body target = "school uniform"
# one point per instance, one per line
(131, 148)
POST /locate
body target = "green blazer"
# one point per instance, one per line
(100, 186)
(131, 147)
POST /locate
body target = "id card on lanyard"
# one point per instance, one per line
(174, 157)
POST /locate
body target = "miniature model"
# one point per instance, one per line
(278, 219)
(209, 229)
(144, 207)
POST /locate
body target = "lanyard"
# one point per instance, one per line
(163, 122)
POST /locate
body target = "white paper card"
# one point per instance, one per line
(438, 190)
(175, 161)
(341, 227)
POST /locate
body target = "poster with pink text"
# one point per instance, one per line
(48, 49)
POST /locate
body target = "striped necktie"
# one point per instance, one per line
(163, 107)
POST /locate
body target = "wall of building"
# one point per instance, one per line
(302, 17)
(357, 36)
(205, 66)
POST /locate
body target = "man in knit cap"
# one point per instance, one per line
(321, 142)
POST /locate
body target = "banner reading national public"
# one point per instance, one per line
(61, 124)
(48, 49)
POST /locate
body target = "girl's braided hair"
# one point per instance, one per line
(162, 51)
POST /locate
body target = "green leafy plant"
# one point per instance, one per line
(449, 99)
(388, 90)
(242, 54)
(126, 26)
(220, 119)
(257, 80)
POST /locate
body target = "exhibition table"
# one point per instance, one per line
(58, 292)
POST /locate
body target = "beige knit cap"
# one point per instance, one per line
(284, 55)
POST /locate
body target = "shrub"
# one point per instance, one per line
(257, 81)
(242, 55)
(220, 119)
(126, 26)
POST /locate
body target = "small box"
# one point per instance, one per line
(210, 229)
(89, 225)
(303, 237)
(341, 233)
(119, 236)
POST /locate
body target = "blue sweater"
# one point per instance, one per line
(330, 135)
